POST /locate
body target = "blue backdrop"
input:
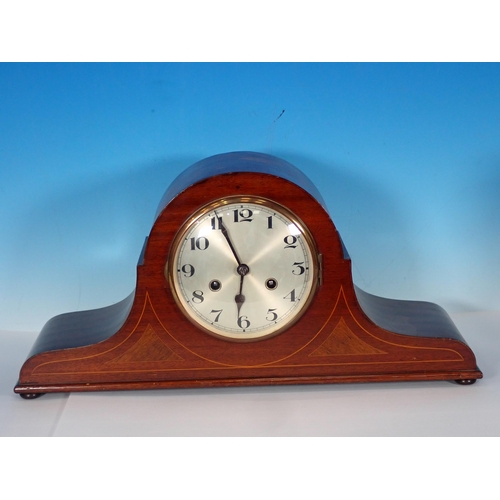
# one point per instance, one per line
(407, 157)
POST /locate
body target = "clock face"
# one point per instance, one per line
(243, 268)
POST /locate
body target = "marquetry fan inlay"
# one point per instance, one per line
(344, 341)
(149, 347)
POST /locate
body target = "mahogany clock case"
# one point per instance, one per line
(345, 334)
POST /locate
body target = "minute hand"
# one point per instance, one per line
(226, 235)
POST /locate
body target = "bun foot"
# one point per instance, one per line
(31, 395)
(466, 381)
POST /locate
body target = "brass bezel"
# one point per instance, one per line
(229, 200)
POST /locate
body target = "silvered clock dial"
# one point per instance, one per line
(243, 268)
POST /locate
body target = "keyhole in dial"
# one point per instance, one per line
(215, 285)
(271, 284)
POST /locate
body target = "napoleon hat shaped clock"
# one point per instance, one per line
(244, 280)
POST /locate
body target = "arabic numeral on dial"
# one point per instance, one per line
(270, 222)
(244, 213)
(188, 270)
(243, 322)
(198, 297)
(200, 243)
(217, 313)
(290, 241)
(216, 223)
(271, 315)
(291, 296)
(300, 269)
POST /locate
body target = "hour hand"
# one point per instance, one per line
(240, 298)
(243, 270)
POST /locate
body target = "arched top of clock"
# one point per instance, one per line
(238, 161)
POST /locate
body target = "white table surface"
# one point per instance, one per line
(381, 409)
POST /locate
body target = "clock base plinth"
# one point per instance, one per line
(35, 391)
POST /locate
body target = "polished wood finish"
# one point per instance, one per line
(346, 335)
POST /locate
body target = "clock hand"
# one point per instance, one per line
(226, 235)
(242, 270)
(240, 298)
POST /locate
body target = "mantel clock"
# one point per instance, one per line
(244, 280)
